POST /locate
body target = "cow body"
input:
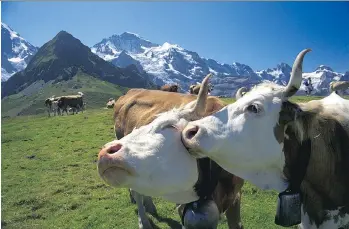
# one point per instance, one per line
(137, 109)
(292, 142)
(74, 101)
(170, 88)
(339, 86)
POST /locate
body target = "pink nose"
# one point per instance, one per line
(190, 131)
(108, 150)
(112, 165)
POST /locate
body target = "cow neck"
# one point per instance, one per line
(209, 173)
(297, 156)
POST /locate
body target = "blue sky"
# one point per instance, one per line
(260, 34)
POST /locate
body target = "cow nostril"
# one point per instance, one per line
(192, 132)
(114, 148)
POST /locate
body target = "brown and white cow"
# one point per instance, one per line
(170, 88)
(339, 86)
(277, 144)
(137, 109)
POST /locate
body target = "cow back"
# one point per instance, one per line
(139, 107)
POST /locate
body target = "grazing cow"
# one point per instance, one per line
(337, 86)
(170, 88)
(195, 88)
(52, 105)
(73, 101)
(55, 108)
(278, 144)
(126, 163)
(110, 103)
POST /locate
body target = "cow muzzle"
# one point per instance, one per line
(112, 167)
(190, 138)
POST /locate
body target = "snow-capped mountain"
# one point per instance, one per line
(280, 75)
(320, 78)
(16, 52)
(170, 63)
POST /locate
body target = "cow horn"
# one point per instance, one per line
(200, 105)
(296, 75)
(240, 92)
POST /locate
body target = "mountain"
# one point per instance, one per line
(280, 75)
(62, 58)
(170, 63)
(167, 63)
(16, 52)
(321, 79)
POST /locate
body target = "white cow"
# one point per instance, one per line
(276, 144)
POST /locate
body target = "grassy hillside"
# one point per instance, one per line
(49, 176)
(31, 100)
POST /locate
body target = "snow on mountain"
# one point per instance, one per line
(321, 79)
(16, 52)
(167, 63)
(280, 75)
(170, 63)
(132, 43)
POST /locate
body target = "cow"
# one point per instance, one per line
(110, 103)
(195, 88)
(302, 148)
(52, 105)
(140, 108)
(337, 86)
(170, 88)
(74, 101)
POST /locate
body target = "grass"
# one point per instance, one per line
(49, 178)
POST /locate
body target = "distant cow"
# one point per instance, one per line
(194, 89)
(74, 101)
(337, 86)
(170, 88)
(138, 108)
(52, 105)
(110, 103)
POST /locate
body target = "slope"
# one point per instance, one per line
(30, 101)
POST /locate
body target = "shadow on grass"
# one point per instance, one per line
(173, 224)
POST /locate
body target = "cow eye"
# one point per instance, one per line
(254, 108)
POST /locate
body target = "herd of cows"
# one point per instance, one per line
(196, 151)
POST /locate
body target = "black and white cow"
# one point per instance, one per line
(278, 144)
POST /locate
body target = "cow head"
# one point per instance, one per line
(48, 102)
(152, 159)
(243, 136)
